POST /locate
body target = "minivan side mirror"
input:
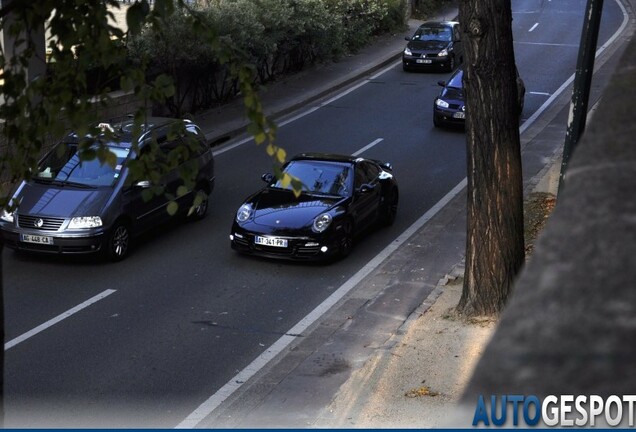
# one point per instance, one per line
(267, 178)
(407, 38)
(441, 83)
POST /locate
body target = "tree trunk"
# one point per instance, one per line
(494, 249)
(1, 337)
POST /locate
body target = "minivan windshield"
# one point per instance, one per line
(63, 165)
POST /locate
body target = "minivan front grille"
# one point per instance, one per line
(40, 223)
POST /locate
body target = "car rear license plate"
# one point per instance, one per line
(271, 241)
(425, 61)
(28, 238)
(459, 115)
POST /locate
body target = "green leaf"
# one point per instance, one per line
(136, 15)
(286, 180)
(182, 190)
(259, 138)
(172, 208)
(281, 155)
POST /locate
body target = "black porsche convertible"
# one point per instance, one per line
(341, 197)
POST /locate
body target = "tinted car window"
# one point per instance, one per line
(63, 165)
(366, 173)
(456, 79)
(196, 140)
(324, 178)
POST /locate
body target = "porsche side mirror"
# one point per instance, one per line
(366, 188)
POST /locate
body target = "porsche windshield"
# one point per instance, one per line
(63, 165)
(328, 178)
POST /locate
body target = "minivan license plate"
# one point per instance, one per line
(271, 241)
(425, 61)
(28, 238)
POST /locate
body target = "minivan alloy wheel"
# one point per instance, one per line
(119, 242)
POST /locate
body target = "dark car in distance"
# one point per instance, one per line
(449, 107)
(435, 44)
(342, 197)
(74, 206)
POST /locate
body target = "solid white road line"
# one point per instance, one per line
(367, 147)
(308, 111)
(534, 27)
(57, 319)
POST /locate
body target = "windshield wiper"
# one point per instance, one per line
(78, 185)
(56, 182)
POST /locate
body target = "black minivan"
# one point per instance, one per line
(74, 206)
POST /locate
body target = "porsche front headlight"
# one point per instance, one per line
(244, 212)
(322, 222)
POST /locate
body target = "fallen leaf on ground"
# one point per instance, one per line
(420, 391)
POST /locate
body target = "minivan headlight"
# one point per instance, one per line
(244, 213)
(85, 222)
(408, 51)
(322, 222)
(443, 53)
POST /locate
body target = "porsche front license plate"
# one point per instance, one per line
(270, 241)
(28, 238)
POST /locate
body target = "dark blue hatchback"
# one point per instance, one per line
(435, 44)
(449, 107)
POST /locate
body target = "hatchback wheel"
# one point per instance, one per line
(118, 242)
(451, 63)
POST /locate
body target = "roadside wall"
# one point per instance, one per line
(570, 325)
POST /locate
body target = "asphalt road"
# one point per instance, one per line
(152, 337)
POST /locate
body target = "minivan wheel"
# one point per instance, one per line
(199, 211)
(118, 243)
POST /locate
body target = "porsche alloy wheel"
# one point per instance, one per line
(389, 210)
(346, 241)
